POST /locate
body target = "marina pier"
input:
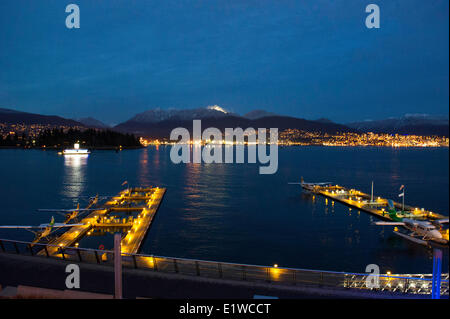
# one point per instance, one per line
(364, 202)
(380, 207)
(144, 202)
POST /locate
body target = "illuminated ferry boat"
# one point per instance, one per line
(76, 150)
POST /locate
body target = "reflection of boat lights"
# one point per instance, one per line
(75, 160)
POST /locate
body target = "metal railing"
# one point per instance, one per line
(406, 283)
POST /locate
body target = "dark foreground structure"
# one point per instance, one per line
(18, 270)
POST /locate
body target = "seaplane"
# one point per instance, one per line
(310, 186)
(69, 214)
(43, 230)
(73, 214)
(397, 216)
(420, 231)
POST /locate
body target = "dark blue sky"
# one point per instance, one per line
(309, 59)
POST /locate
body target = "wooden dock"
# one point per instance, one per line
(144, 201)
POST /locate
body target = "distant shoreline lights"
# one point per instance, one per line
(212, 152)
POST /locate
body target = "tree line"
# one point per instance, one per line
(58, 138)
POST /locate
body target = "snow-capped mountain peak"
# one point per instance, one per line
(158, 115)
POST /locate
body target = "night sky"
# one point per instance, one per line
(309, 59)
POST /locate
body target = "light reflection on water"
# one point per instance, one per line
(75, 178)
(231, 213)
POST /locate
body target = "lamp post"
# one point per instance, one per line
(436, 281)
(117, 267)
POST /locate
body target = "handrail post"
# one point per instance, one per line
(219, 266)
(46, 251)
(155, 265)
(134, 261)
(1, 245)
(96, 256)
(17, 248)
(175, 265)
(79, 255)
(244, 277)
(31, 249)
(117, 267)
(197, 268)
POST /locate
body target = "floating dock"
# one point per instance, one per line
(364, 202)
(142, 201)
(131, 243)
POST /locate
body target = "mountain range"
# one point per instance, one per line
(158, 122)
(92, 123)
(13, 117)
(418, 124)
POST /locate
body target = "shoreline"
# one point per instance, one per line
(116, 148)
(97, 148)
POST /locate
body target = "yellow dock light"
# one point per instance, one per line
(388, 273)
(275, 266)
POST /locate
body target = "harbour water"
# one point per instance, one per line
(228, 212)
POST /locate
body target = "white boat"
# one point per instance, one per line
(76, 150)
